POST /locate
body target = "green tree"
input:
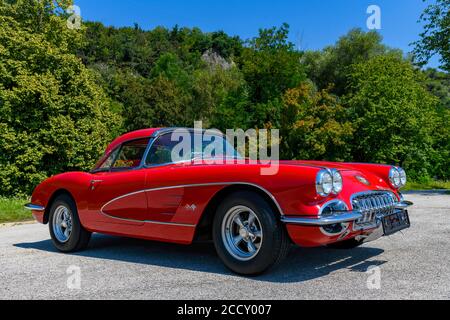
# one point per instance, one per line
(438, 83)
(332, 65)
(156, 103)
(314, 125)
(271, 65)
(211, 87)
(170, 66)
(53, 116)
(393, 113)
(435, 39)
(233, 110)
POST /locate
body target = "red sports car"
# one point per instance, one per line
(136, 190)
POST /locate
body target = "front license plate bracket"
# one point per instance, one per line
(396, 222)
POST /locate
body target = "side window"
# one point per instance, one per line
(106, 165)
(130, 154)
(161, 151)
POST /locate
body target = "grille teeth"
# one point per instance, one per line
(373, 205)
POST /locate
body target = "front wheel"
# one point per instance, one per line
(247, 235)
(68, 235)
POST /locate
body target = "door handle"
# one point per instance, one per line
(94, 184)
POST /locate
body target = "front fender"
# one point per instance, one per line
(76, 184)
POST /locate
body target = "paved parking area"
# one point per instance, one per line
(414, 264)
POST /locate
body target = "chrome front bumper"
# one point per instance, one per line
(348, 216)
(344, 217)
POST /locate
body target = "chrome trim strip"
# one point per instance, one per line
(154, 222)
(324, 220)
(34, 207)
(146, 152)
(189, 186)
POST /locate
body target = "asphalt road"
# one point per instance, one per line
(412, 265)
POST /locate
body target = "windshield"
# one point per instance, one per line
(175, 147)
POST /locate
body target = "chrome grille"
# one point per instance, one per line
(372, 205)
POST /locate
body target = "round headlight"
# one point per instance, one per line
(324, 183)
(394, 177)
(337, 182)
(403, 179)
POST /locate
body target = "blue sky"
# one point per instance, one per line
(314, 24)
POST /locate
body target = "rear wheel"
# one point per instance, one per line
(68, 235)
(247, 234)
(347, 244)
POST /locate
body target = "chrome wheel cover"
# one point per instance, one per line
(242, 233)
(62, 224)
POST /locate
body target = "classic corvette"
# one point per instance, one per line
(136, 190)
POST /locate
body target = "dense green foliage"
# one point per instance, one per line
(65, 93)
(393, 114)
(332, 65)
(53, 116)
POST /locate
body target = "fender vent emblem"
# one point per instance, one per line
(191, 207)
(363, 180)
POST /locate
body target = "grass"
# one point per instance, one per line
(428, 185)
(12, 210)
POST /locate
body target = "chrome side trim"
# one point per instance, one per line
(153, 222)
(34, 207)
(188, 186)
(324, 220)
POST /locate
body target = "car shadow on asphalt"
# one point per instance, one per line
(302, 264)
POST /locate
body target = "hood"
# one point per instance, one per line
(366, 176)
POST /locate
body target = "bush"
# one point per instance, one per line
(53, 117)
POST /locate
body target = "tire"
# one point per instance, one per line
(347, 244)
(76, 238)
(259, 224)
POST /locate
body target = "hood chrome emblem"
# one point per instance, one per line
(363, 180)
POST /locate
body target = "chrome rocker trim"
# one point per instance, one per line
(34, 207)
(346, 216)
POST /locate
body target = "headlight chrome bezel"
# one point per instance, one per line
(329, 182)
(322, 177)
(338, 181)
(397, 177)
(403, 177)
